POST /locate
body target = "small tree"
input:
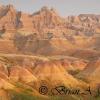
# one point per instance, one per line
(50, 35)
(2, 31)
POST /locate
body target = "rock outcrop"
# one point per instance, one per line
(47, 21)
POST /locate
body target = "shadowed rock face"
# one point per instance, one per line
(92, 71)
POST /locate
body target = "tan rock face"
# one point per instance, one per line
(53, 73)
(18, 73)
(47, 21)
(5, 84)
(47, 18)
(9, 18)
(79, 64)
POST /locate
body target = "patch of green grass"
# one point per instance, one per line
(23, 96)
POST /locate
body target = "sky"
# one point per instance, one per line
(63, 7)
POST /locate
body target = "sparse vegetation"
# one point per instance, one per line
(23, 96)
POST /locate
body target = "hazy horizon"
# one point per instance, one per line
(63, 7)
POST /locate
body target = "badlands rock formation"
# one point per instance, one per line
(45, 32)
(45, 48)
